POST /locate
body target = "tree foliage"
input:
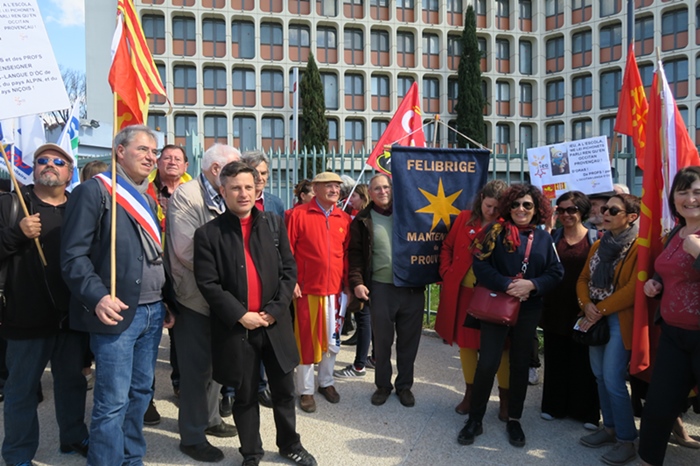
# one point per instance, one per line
(314, 127)
(74, 81)
(470, 101)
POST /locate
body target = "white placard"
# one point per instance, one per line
(582, 165)
(30, 81)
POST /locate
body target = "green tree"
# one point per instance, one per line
(314, 127)
(470, 101)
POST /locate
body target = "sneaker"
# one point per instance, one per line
(590, 426)
(380, 396)
(349, 372)
(79, 447)
(546, 416)
(152, 417)
(533, 378)
(621, 453)
(300, 456)
(598, 439)
(330, 393)
(204, 452)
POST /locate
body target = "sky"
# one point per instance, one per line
(65, 24)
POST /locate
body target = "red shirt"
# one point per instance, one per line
(254, 282)
(680, 301)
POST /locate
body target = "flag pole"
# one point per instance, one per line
(664, 142)
(15, 183)
(113, 220)
(435, 129)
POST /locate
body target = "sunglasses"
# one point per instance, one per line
(57, 162)
(569, 210)
(613, 211)
(527, 205)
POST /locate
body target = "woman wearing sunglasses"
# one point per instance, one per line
(458, 286)
(569, 388)
(499, 251)
(605, 290)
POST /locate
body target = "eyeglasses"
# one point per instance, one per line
(527, 205)
(568, 210)
(56, 161)
(613, 211)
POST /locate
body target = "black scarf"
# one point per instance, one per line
(609, 251)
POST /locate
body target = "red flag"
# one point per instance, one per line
(668, 149)
(405, 129)
(133, 75)
(631, 117)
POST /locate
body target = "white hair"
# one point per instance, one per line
(219, 153)
(620, 188)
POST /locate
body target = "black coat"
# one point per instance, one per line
(219, 268)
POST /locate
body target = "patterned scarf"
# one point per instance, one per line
(485, 240)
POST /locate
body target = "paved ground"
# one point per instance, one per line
(354, 432)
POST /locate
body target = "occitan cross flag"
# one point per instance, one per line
(632, 113)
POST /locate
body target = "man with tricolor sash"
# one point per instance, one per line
(125, 330)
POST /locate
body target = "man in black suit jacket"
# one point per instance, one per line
(245, 270)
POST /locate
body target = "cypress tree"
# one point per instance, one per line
(470, 101)
(314, 126)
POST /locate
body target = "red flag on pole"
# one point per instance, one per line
(668, 149)
(404, 129)
(631, 117)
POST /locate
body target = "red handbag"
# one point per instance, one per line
(498, 307)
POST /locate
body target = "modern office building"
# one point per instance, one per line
(552, 69)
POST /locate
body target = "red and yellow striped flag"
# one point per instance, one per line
(632, 113)
(133, 76)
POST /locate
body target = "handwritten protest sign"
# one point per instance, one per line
(30, 81)
(582, 165)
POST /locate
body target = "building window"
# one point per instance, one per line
(582, 49)
(333, 141)
(380, 48)
(583, 93)
(454, 51)
(405, 50)
(581, 129)
(502, 56)
(185, 125)
(452, 92)
(154, 31)
(554, 14)
(431, 11)
(525, 15)
(183, 2)
(379, 9)
(271, 89)
(642, 3)
(677, 76)
(452, 134)
(160, 99)
(646, 71)
(243, 88)
(644, 35)
(354, 9)
(502, 138)
(272, 133)
(480, 10)
(157, 122)
(327, 7)
(610, 83)
(526, 100)
(326, 45)
(300, 7)
(555, 97)
(152, 2)
(354, 92)
(378, 128)
(185, 85)
(430, 136)
(271, 41)
(354, 135)
(405, 10)
(483, 51)
(213, 38)
(503, 14)
(581, 10)
(455, 13)
(215, 86)
(242, 5)
(485, 96)
(271, 6)
(431, 95)
(380, 93)
(526, 139)
(555, 133)
(610, 7)
(299, 42)
(502, 98)
(330, 90)
(242, 39)
(606, 129)
(184, 36)
(403, 84)
(215, 130)
(674, 30)
(610, 43)
(555, 55)
(431, 51)
(244, 133)
(354, 47)
(525, 57)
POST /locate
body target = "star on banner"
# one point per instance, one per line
(440, 205)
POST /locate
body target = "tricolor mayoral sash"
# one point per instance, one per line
(134, 203)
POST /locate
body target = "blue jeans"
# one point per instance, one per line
(124, 366)
(26, 361)
(609, 365)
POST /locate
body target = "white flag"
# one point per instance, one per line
(69, 142)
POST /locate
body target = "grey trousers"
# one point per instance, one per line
(199, 394)
(399, 310)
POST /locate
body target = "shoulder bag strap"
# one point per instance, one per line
(528, 248)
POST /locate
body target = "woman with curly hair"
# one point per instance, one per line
(499, 251)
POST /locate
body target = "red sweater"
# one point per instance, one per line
(680, 300)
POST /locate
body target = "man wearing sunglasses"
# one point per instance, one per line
(35, 317)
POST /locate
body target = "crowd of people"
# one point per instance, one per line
(253, 297)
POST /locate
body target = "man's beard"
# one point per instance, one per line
(45, 179)
(596, 220)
